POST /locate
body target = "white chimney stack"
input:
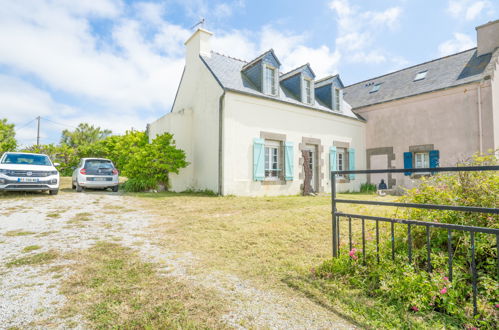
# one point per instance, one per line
(198, 44)
(487, 36)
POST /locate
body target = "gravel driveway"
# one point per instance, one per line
(29, 295)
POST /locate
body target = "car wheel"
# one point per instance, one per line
(115, 188)
(73, 186)
(54, 192)
(78, 187)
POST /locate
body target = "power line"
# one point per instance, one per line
(66, 125)
(29, 122)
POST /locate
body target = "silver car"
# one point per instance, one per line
(97, 173)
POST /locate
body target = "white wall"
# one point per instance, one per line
(194, 121)
(246, 116)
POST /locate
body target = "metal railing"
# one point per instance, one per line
(336, 238)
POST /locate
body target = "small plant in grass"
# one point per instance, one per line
(31, 248)
(367, 188)
(35, 259)
(19, 233)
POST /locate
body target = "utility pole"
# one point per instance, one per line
(38, 131)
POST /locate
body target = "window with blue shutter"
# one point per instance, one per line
(407, 162)
(288, 161)
(258, 159)
(351, 162)
(332, 159)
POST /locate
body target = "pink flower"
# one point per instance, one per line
(446, 278)
(415, 308)
(497, 305)
(352, 254)
(443, 291)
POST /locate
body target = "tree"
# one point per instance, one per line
(84, 135)
(7, 137)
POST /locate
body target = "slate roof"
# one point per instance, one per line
(227, 71)
(449, 71)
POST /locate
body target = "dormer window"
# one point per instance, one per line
(420, 75)
(270, 80)
(337, 99)
(308, 91)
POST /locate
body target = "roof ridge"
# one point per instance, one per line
(326, 78)
(295, 69)
(410, 67)
(259, 57)
(233, 58)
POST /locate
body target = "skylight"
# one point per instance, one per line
(375, 88)
(420, 75)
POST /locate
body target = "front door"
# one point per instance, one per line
(313, 166)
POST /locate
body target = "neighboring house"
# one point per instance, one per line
(246, 128)
(438, 112)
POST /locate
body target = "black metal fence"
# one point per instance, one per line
(336, 215)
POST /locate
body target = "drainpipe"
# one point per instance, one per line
(480, 137)
(220, 143)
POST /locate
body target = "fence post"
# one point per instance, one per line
(333, 215)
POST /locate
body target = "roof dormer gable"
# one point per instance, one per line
(300, 82)
(263, 72)
(329, 90)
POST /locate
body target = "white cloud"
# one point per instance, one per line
(56, 45)
(459, 43)
(358, 31)
(470, 9)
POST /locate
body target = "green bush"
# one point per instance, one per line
(151, 164)
(139, 185)
(367, 188)
(411, 287)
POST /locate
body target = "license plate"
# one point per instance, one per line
(99, 179)
(27, 180)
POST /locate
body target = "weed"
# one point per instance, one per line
(19, 233)
(31, 248)
(35, 259)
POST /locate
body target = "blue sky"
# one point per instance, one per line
(117, 64)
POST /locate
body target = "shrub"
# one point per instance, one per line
(411, 287)
(367, 188)
(152, 163)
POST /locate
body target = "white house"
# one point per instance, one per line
(244, 125)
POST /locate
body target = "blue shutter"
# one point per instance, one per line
(288, 161)
(351, 162)
(434, 159)
(332, 159)
(258, 159)
(407, 161)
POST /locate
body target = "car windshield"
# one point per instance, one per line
(26, 159)
(98, 163)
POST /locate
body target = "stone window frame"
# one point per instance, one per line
(320, 161)
(346, 161)
(281, 138)
(388, 151)
(420, 148)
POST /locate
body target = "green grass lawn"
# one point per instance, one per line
(274, 241)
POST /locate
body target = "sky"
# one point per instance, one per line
(116, 64)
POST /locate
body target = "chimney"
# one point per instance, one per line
(198, 44)
(487, 36)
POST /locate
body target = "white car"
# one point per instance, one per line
(20, 171)
(97, 173)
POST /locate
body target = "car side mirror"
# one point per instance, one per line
(56, 164)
